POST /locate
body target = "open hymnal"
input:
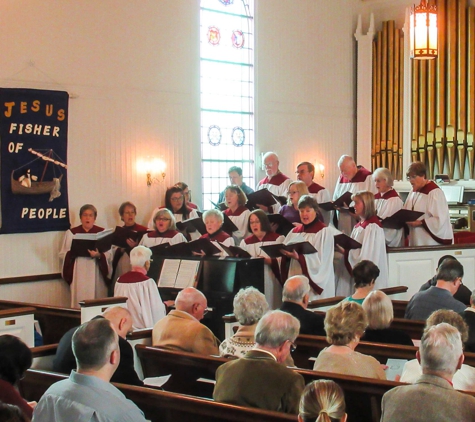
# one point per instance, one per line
(84, 242)
(179, 273)
(341, 203)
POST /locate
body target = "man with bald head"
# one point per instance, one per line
(352, 179)
(295, 296)
(121, 321)
(275, 181)
(181, 328)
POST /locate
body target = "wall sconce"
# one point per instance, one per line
(320, 168)
(423, 31)
(154, 168)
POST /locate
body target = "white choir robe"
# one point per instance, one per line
(87, 278)
(220, 237)
(272, 285)
(436, 228)
(240, 218)
(319, 265)
(363, 181)
(278, 185)
(386, 205)
(143, 299)
(373, 248)
(154, 238)
(322, 195)
(178, 218)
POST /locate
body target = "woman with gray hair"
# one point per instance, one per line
(165, 230)
(143, 299)
(388, 202)
(249, 307)
(213, 220)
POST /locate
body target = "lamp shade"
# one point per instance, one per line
(423, 31)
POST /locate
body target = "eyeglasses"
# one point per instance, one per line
(180, 198)
(163, 219)
(293, 346)
(413, 177)
(293, 192)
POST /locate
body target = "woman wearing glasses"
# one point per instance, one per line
(291, 210)
(187, 194)
(165, 230)
(432, 228)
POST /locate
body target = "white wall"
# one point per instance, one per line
(133, 66)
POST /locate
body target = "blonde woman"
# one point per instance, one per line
(291, 211)
(322, 401)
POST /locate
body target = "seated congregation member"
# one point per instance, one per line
(469, 317)
(121, 259)
(164, 230)
(275, 181)
(88, 394)
(322, 401)
(306, 173)
(249, 306)
(15, 359)
(291, 210)
(121, 321)
(295, 297)
(237, 212)
(87, 277)
(388, 202)
(464, 378)
(262, 235)
(143, 299)
(434, 227)
(345, 324)
(12, 413)
(260, 379)
(352, 179)
(462, 294)
(365, 274)
(181, 328)
(432, 397)
(213, 220)
(187, 194)
(317, 267)
(370, 234)
(175, 203)
(440, 296)
(235, 178)
(380, 313)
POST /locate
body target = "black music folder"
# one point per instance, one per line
(337, 203)
(228, 226)
(346, 242)
(302, 248)
(221, 206)
(400, 218)
(204, 245)
(235, 251)
(191, 225)
(84, 242)
(284, 226)
(261, 197)
(121, 234)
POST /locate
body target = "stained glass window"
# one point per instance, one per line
(227, 93)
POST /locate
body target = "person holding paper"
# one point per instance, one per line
(317, 267)
(275, 181)
(87, 276)
(352, 179)
(237, 212)
(291, 211)
(262, 235)
(121, 260)
(388, 202)
(165, 230)
(213, 220)
(433, 228)
(306, 172)
(175, 202)
(370, 234)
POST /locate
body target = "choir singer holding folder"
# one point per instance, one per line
(213, 220)
(89, 276)
(165, 230)
(317, 267)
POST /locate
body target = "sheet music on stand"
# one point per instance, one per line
(179, 273)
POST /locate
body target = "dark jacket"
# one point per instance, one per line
(462, 295)
(310, 322)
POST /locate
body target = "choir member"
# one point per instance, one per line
(275, 181)
(262, 235)
(434, 227)
(237, 212)
(187, 194)
(352, 179)
(87, 276)
(318, 267)
(306, 172)
(388, 202)
(175, 202)
(370, 234)
(213, 220)
(121, 260)
(165, 230)
(291, 211)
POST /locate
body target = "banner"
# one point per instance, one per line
(34, 140)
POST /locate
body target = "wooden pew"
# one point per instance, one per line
(162, 406)
(19, 322)
(54, 321)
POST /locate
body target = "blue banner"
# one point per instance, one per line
(34, 141)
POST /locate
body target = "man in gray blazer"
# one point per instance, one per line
(432, 397)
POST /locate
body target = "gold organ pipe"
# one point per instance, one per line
(451, 74)
(374, 114)
(384, 95)
(378, 100)
(440, 118)
(461, 85)
(390, 130)
(415, 99)
(431, 90)
(395, 113)
(422, 109)
(401, 103)
(470, 89)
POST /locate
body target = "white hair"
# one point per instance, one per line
(213, 213)
(343, 159)
(139, 256)
(384, 174)
(295, 288)
(249, 305)
(275, 328)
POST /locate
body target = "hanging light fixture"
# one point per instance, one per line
(423, 31)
